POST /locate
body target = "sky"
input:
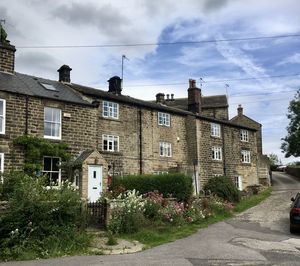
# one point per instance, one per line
(260, 74)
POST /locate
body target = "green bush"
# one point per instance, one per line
(127, 216)
(40, 221)
(177, 185)
(224, 188)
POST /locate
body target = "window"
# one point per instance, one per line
(164, 119)
(244, 135)
(52, 123)
(238, 182)
(51, 169)
(1, 162)
(160, 172)
(246, 158)
(215, 130)
(110, 110)
(110, 143)
(165, 149)
(2, 116)
(49, 87)
(217, 153)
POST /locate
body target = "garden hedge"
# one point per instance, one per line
(223, 187)
(177, 185)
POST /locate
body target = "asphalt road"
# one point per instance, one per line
(259, 236)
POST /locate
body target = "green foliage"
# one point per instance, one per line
(35, 148)
(223, 187)
(127, 215)
(40, 222)
(291, 143)
(274, 160)
(177, 184)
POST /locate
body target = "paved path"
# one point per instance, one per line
(259, 236)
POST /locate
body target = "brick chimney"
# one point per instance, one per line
(115, 84)
(194, 97)
(160, 97)
(240, 110)
(64, 73)
(7, 53)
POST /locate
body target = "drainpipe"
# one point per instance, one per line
(223, 150)
(26, 113)
(141, 142)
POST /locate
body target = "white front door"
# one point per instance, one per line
(94, 182)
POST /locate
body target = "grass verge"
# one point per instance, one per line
(155, 234)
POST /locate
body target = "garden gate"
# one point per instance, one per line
(96, 214)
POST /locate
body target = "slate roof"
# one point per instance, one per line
(125, 99)
(216, 101)
(31, 86)
(82, 157)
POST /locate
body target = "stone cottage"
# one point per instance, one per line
(112, 134)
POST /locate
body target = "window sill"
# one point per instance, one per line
(112, 152)
(110, 118)
(52, 138)
(215, 137)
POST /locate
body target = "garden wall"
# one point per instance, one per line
(294, 171)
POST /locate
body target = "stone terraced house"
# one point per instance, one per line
(112, 134)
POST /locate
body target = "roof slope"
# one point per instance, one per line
(31, 86)
(216, 101)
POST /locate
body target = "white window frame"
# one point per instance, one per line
(52, 122)
(160, 172)
(51, 171)
(164, 119)
(246, 156)
(244, 135)
(1, 162)
(216, 153)
(110, 139)
(3, 117)
(215, 130)
(238, 182)
(165, 149)
(110, 110)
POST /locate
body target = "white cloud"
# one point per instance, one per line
(294, 59)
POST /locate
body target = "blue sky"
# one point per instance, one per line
(248, 67)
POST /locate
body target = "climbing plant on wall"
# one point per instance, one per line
(35, 148)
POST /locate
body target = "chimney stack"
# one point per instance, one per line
(160, 98)
(194, 97)
(64, 74)
(240, 110)
(7, 53)
(115, 84)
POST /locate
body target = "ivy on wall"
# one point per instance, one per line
(35, 148)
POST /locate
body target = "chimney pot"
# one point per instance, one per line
(172, 97)
(168, 97)
(240, 110)
(160, 97)
(64, 74)
(192, 83)
(115, 85)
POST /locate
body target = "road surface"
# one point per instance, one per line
(259, 236)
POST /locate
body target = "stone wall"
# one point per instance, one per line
(231, 164)
(216, 112)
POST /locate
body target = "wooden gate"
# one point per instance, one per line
(96, 214)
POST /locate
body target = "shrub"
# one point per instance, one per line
(154, 201)
(176, 184)
(40, 221)
(224, 188)
(127, 216)
(173, 213)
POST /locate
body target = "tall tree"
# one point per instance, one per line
(274, 160)
(291, 143)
